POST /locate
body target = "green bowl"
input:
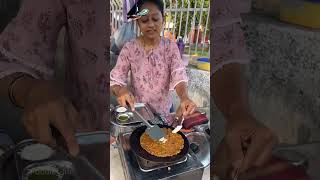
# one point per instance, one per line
(123, 117)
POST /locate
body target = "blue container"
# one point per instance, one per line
(203, 59)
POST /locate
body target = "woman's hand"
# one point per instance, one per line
(45, 105)
(125, 97)
(257, 139)
(186, 108)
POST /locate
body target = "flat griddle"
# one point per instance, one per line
(139, 151)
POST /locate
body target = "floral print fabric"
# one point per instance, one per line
(228, 38)
(153, 75)
(28, 44)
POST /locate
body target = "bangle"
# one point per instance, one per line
(11, 88)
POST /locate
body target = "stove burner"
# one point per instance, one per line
(147, 166)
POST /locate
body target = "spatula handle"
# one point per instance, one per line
(143, 119)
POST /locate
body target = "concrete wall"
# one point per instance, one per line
(198, 87)
(284, 78)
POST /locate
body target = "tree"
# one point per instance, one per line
(178, 3)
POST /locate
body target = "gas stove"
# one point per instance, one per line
(148, 166)
(136, 168)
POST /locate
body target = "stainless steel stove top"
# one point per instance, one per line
(189, 168)
(148, 166)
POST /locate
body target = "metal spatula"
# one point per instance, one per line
(179, 127)
(154, 131)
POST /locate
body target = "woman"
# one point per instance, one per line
(27, 70)
(230, 95)
(155, 64)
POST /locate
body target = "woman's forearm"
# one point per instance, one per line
(115, 89)
(230, 92)
(182, 90)
(20, 87)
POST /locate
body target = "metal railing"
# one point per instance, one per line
(186, 19)
(116, 10)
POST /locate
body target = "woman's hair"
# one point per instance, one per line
(158, 3)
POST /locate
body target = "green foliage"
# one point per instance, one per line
(178, 4)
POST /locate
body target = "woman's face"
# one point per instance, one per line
(151, 24)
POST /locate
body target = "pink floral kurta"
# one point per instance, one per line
(153, 75)
(28, 44)
(228, 38)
